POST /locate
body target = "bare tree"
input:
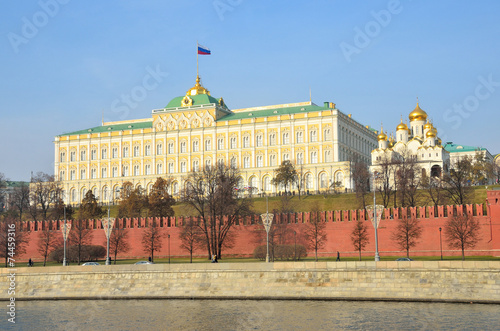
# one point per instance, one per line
(211, 194)
(361, 178)
(408, 178)
(191, 237)
(299, 179)
(80, 236)
(20, 199)
(462, 231)
(118, 242)
(285, 175)
(152, 239)
(48, 240)
(458, 182)
(359, 236)
(13, 239)
(44, 192)
(315, 233)
(160, 202)
(385, 178)
(434, 187)
(407, 233)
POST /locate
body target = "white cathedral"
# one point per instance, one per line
(419, 140)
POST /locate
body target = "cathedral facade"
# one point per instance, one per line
(419, 140)
(197, 130)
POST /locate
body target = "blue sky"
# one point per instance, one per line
(65, 63)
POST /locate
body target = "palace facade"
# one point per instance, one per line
(197, 130)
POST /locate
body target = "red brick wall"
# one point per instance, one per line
(339, 227)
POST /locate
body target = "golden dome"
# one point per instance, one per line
(401, 126)
(392, 141)
(428, 125)
(417, 114)
(382, 136)
(432, 133)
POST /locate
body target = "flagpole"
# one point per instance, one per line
(197, 70)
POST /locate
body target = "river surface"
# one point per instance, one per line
(250, 315)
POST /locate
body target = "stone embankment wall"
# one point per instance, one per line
(447, 281)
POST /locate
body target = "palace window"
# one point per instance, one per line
(286, 138)
(72, 156)
(159, 168)
(125, 151)
(93, 154)
(208, 163)
(136, 150)
(313, 136)
(326, 134)
(159, 149)
(114, 152)
(246, 142)
(170, 148)
(62, 175)
(196, 146)
(309, 181)
(314, 157)
(83, 155)
(233, 142)
(171, 168)
(62, 157)
(272, 160)
(258, 141)
(137, 170)
(196, 165)
(93, 173)
(147, 169)
(114, 171)
(272, 139)
(220, 143)
(328, 156)
(104, 172)
(260, 161)
(208, 144)
(246, 162)
(183, 147)
(183, 166)
(104, 153)
(125, 171)
(234, 162)
(286, 157)
(82, 174)
(267, 184)
(147, 150)
(299, 137)
(72, 175)
(300, 158)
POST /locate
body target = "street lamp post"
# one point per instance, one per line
(65, 236)
(168, 236)
(375, 215)
(440, 243)
(267, 220)
(108, 226)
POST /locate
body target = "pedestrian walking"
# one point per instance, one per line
(338, 256)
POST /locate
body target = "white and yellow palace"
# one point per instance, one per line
(197, 130)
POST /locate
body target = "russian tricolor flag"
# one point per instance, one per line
(203, 50)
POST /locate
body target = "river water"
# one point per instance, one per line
(250, 315)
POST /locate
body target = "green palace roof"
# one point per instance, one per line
(272, 112)
(454, 148)
(199, 99)
(112, 127)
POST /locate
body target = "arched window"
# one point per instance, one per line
(323, 180)
(309, 181)
(267, 183)
(258, 140)
(208, 144)
(159, 149)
